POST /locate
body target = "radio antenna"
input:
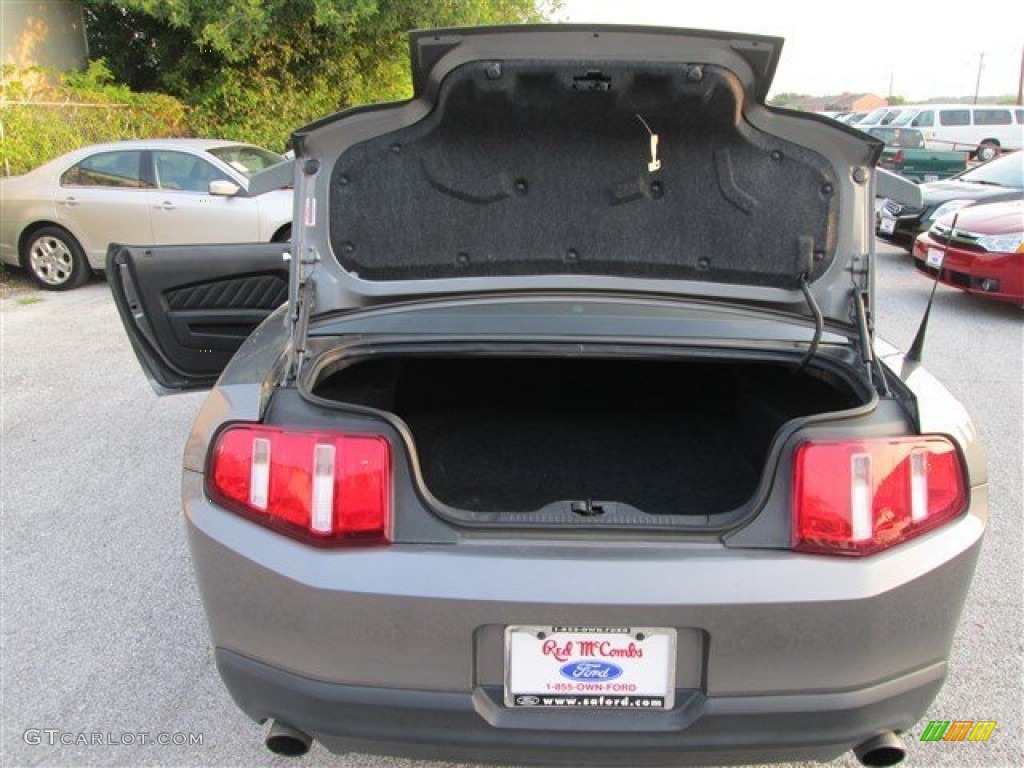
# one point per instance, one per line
(917, 347)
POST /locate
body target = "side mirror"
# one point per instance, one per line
(224, 188)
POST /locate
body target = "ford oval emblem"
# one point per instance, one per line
(590, 669)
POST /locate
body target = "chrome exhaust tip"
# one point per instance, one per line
(283, 739)
(884, 749)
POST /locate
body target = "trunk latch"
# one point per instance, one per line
(593, 80)
(587, 508)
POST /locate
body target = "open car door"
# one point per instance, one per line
(187, 309)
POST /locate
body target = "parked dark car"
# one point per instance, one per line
(983, 254)
(573, 443)
(996, 180)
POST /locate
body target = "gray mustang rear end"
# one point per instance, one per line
(572, 443)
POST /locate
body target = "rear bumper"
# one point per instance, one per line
(458, 726)
(399, 650)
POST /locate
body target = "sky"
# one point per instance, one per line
(926, 49)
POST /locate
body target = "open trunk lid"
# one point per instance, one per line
(587, 158)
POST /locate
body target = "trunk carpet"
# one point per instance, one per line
(659, 461)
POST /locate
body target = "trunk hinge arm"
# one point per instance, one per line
(300, 306)
(867, 353)
(301, 295)
(860, 278)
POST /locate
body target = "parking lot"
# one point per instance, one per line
(105, 651)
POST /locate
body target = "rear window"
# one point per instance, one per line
(107, 169)
(992, 117)
(955, 117)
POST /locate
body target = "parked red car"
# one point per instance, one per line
(984, 255)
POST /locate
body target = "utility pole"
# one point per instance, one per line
(1020, 82)
(977, 83)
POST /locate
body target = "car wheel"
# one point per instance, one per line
(54, 259)
(987, 151)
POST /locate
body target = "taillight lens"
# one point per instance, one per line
(323, 487)
(859, 497)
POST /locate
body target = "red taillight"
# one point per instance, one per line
(859, 497)
(323, 487)
(899, 157)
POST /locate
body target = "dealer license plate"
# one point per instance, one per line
(934, 258)
(590, 667)
(887, 226)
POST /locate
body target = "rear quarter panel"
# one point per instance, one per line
(26, 200)
(938, 411)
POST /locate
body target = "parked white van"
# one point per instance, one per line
(982, 129)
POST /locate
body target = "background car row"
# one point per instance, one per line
(996, 181)
(981, 130)
(969, 231)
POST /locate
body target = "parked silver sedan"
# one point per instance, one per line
(57, 220)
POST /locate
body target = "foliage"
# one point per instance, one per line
(897, 101)
(256, 70)
(42, 117)
(789, 100)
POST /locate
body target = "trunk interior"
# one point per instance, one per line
(667, 437)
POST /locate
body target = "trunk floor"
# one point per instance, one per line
(661, 462)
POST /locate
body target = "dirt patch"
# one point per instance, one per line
(14, 282)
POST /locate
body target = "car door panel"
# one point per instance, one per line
(99, 217)
(182, 218)
(187, 309)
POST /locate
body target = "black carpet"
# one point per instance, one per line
(658, 462)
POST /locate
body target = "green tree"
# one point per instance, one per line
(897, 101)
(254, 70)
(43, 117)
